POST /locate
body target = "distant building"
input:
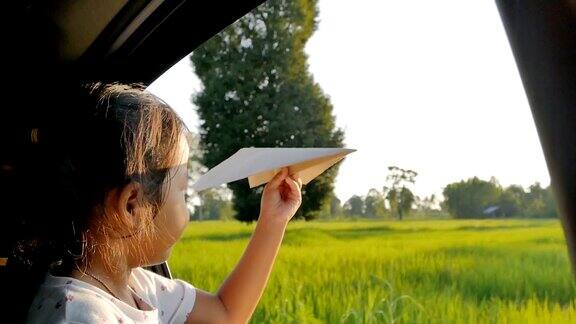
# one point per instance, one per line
(491, 211)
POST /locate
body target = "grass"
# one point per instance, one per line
(441, 271)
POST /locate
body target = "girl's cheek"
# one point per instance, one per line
(184, 219)
(179, 219)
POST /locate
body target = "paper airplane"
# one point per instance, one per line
(260, 164)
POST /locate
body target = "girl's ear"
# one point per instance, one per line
(129, 199)
(126, 203)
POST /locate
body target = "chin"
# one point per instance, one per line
(165, 256)
(158, 259)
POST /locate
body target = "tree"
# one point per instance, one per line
(470, 198)
(374, 204)
(354, 206)
(332, 209)
(474, 197)
(208, 204)
(400, 198)
(405, 203)
(258, 92)
(550, 210)
(511, 202)
(335, 206)
(540, 202)
(212, 205)
(195, 169)
(426, 204)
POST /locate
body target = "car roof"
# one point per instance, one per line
(121, 40)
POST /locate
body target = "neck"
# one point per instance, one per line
(114, 279)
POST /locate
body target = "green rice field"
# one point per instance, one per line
(426, 271)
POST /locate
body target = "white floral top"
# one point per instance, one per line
(68, 300)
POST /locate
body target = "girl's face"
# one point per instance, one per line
(173, 216)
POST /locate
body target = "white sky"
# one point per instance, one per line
(426, 85)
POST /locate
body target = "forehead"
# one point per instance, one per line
(183, 150)
(179, 168)
(179, 155)
(181, 158)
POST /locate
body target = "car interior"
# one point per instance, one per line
(47, 43)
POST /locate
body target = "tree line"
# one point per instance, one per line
(475, 198)
(471, 198)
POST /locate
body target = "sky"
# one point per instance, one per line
(430, 86)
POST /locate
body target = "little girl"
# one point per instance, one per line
(119, 165)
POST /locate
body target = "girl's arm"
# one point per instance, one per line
(239, 294)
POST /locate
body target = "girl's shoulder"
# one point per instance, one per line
(151, 279)
(174, 298)
(63, 300)
(69, 300)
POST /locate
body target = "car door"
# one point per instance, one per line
(543, 39)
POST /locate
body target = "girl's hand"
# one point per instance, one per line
(281, 197)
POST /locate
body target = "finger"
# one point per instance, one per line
(294, 188)
(297, 178)
(277, 179)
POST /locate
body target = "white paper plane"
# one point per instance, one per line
(260, 164)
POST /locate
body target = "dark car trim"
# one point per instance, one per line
(542, 34)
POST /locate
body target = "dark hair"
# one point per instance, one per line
(101, 136)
